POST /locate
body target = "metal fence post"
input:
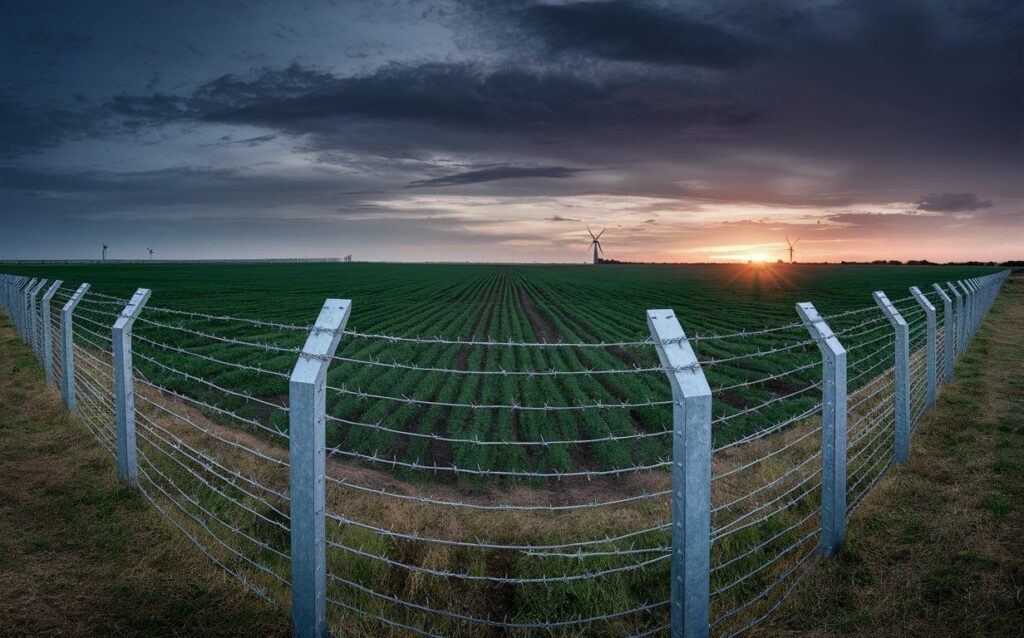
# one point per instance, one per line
(23, 307)
(930, 345)
(307, 449)
(972, 284)
(902, 373)
(691, 476)
(968, 312)
(13, 284)
(833, 428)
(26, 304)
(124, 387)
(947, 334)
(48, 330)
(26, 300)
(33, 340)
(958, 324)
(68, 338)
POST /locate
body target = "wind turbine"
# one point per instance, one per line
(105, 247)
(791, 244)
(150, 249)
(595, 243)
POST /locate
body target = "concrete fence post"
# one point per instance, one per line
(48, 330)
(307, 450)
(958, 324)
(947, 334)
(902, 373)
(67, 334)
(124, 387)
(691, 476)
(833, 429)
(930, 345)
(34, 304)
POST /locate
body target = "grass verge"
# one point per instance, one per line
(81, 554)
(936, 549)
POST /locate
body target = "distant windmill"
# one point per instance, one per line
(791, 244)
(105, 247)
(596, 244)
(150, 249)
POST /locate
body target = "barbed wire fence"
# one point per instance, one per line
(342, 475)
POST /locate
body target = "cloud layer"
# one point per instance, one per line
(674, 121)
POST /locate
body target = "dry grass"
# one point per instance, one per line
(936, 549)
(79, 553)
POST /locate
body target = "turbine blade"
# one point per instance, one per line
(600, 233)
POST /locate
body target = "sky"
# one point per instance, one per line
(422, 130)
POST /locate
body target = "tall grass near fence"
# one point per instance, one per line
(508, 475)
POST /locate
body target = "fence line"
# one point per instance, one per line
(422, 506)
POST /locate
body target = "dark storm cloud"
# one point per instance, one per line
(157, 107)
(164, 191)
(637, 32)
(27, 130)
(457, 95)
(59, 43)
(499, 173)
(951, 202)
(398, 110)
(249, 142)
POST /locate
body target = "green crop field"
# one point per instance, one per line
(471, 470)
(376, 396)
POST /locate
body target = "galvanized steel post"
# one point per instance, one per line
(968, 311)
(27, 319)
(833, 428)
(930, 345)
(691, 476)
(33, 333)
(902, 373)
(124, 387)
(307, 449)
(972, 284)
(26, 304)
(67, 334)
(969, 308)
(23, 307)
(48, 330)
(959, 323)
(947, 334)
